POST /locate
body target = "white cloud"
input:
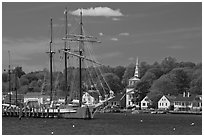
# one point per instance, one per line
(124, 34)
(115, 19)
(101, 34)
(97, 11)
(114, 39)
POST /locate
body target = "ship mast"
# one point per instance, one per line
(9, 78)
(81, 38)
(51, 55)
(81, 44)
(65, 55)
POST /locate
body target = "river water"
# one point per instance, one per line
(106, 124)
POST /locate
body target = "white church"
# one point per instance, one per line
(130, 88)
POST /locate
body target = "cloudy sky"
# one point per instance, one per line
(150, 31)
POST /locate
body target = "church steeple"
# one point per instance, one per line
(137, 69)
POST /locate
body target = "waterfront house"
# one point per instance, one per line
(187, 102)
(166, 102)
(35, 98)
(118, 100)
(91, 97)
(146, 102)
(130, 88)
(197, 103)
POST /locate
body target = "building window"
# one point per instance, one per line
(166, 104)
(143, 104)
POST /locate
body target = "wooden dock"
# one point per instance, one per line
(35, 113)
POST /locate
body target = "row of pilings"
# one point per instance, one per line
(32, 112)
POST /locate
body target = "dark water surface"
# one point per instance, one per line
(106, 124)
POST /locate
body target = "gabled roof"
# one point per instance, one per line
(94, 93)
(181, 98)
(170, 98)
(145, 98)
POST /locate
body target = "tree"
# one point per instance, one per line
(149, 77)
(23, 89)
(18, 71)
(168, 64)
(24, 81)
(164, 85)
(33, 87)
(181, 80)
(113, 82)
(129, 72)
(186, 64)
(156, 69)
(196, 82)
(143, 68)
(140, 90)
(196, 86)
(119, 71)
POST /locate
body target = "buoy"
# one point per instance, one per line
(141, 120)
(73, 125)
(174, 129)
(192, 124)
(52, 132)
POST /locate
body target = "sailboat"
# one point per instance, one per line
(82, 110)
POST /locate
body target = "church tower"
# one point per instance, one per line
(131, 83)
(137, 68)
(135, 78)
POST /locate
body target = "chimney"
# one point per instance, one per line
(184, 94)
(188, 94)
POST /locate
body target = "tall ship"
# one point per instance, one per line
(78, 108)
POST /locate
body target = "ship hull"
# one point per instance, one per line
(78, 113)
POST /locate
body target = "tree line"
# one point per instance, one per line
(168, 77)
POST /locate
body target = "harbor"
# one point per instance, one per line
(106, 124)
(102, 68)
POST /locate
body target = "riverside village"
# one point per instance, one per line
(85, 87)
(132, 100)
